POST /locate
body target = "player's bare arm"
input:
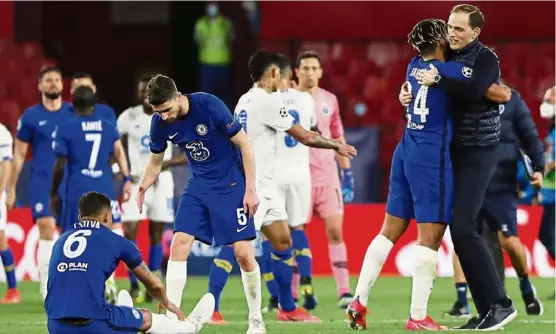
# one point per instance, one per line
(250, 200)
(121, 159)
(178, 160)
(313, 139)
(156, 289)
(343, 161)
(150, 175)
(57, 176)
(20, 151)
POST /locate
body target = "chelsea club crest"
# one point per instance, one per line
(201, 129)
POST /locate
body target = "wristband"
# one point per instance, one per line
(127, 178)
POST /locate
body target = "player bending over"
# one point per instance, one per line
(220, 199)
(421, 182)
(85, 144)
(12, 295)
(84, 256)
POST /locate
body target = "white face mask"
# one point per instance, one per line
(548, 110)
(212, 10)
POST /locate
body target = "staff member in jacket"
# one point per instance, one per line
(476, 136)
(499, 210)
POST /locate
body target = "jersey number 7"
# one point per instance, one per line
(96, 138)
(420, 105)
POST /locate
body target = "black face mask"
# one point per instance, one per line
(52, 96)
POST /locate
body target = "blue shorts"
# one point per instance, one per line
(40, 197)
(420, 192)
(122, 319)
(499, 212)
(70, 213)
(216, 216)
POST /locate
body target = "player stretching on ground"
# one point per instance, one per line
(86, 143)
(134, 125)
(83, 257)
(266, 116)
(292, 179)
(421, 182)
(35, 128)
(328, 194)
(220, 199)
(6, 142)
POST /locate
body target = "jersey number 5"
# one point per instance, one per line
(77, 237)
(96, 138)
(420, 105)
(241, 217)
(289, 140)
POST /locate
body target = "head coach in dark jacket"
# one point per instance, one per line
(476, 136)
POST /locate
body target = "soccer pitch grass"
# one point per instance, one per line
(389, 307)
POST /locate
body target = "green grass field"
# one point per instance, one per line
(389, 308)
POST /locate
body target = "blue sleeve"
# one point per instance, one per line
(222, 117)
(158, 135)
(24, 127)
(485, 72)
(527, 133)
(129, 253)
(111, 114)
(60, 143)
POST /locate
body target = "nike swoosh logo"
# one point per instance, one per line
(41, 123)
(241, 229)
(172, 136)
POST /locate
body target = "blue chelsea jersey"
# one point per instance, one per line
(428, 135)
(204, 134)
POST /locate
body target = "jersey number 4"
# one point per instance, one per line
(96, 138)
(71, 250)
(420, 105)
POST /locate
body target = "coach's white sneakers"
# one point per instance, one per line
(124, 299)
(256, 326)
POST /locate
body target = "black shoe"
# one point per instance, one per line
(533, 306)
(272, 305)
(497, 317)
(473, 323)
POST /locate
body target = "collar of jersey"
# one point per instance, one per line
(190, 102)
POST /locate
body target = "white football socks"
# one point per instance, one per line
(376, 254)
(162, 324)
(176, 277)
(44, 251)
(424, 273)
(252, 288)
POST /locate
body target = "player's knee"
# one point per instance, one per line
(147, 320)
(334, 235)
(510, 244)
(3, 241)
(282, 242)
(430, 235)
(245, 255)
(155, 233)
(47, 226)
(181, 245)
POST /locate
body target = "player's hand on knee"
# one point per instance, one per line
(55, 203)
(172, 308)
(405, 96)
(140, 199)
(537, 180)
(346, 150)
(250, 203)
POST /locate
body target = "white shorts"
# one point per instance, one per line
(158, 205)
(3, 213)
(297, 198)
(272, 207)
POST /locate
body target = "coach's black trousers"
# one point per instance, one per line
(473, 168)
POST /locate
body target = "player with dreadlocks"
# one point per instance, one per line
(421, 181)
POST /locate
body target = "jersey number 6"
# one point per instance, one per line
(79, 238)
